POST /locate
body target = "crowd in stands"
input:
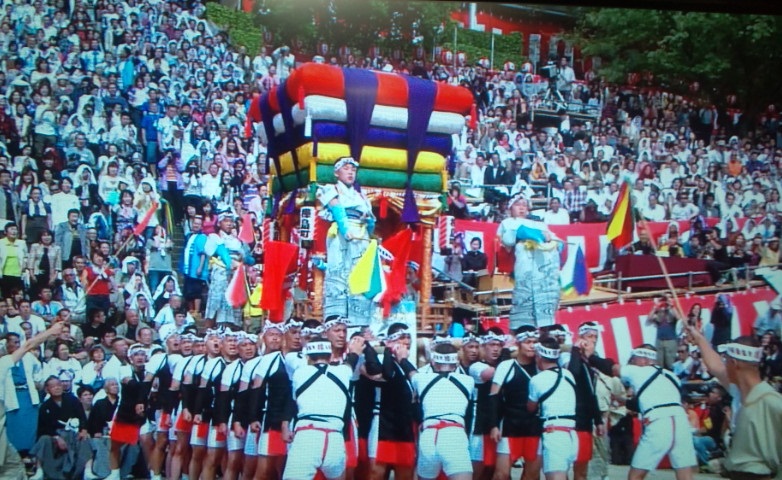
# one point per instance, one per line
(110, 107)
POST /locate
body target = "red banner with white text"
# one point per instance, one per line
(590, 236)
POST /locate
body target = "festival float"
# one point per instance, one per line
(395, 130)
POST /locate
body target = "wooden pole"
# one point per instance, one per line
(317, 292)
(667, 277)
(426, 272)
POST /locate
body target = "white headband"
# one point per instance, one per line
(307, 331)
(527, 334)
(440, 341)
(318, 348)
(470, 337)
(492, 337)
(744, 353)
(398, 334)
(293, 324)
(345, 161)
(137, 348)
(248, 337)
(589, 327)
(328, 324)
(267, 325)
(445, 358)
(645, 353)
(214, 332)
(549, 353)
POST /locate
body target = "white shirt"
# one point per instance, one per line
(686, 212)
(311, 401)
(663, 390)
(443, 400)
(656, 214)
(561, 217)
(562, 402)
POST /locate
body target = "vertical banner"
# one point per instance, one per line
(534, 48)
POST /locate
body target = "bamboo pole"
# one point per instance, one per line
(667, 277)
(426, 273)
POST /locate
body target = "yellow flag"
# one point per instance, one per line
(360, 278)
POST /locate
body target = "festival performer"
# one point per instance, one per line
(445, 397)
(242, 415)
(271, 404)
(583, 363)
(471, 352)
(536, 286)
(666, 427)
(516, 430)
(353, 222)
(193, 353)
(318, 442)
(483, 450)
(391, 441)
(160, 366)
(193, 265)
(194, 400)
(553, 393)
(225, 403)
(225, 252)
(129, 416)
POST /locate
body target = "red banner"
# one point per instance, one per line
(625, 324)
(591, 237)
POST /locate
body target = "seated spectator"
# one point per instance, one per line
(708, 436)
(63, 361)
(62, 431)
(95, 327)
(71, 293)
(45, 307)
(555, 215)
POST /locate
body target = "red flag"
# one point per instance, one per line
(246, 233)
(236, 293)
(620, 227)
(142, 225)
(399, 246)
(280, 260)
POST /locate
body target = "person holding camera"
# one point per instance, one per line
(664, 317)
(565, 79)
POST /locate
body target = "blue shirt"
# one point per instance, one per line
(191, 257)
(149, 124)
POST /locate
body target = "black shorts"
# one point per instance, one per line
(193, 288)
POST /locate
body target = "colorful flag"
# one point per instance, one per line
(246, 233)
(280, 260)
(575, 277)
(142, 225)
(360, 277)
(621, 227)
(236, 293)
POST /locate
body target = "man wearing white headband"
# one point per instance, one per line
(515, 429)
(755, 446)
(445, 397)
(553, 393)
(666, 427)
(225, 403)
(271, 404)
(301, 334)
(352, 222)
(536, 288)
(180, 450)
(242, 414)
(582, 361)
(318, 441)
(200, 409)
(161, 365)
(471, 351)
(391, 442)
(130, 412)
(483, 450)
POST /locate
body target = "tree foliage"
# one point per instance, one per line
(725, 54)
(478, 44)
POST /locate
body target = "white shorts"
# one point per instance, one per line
(162, 421)
(149, 427)
(316, 450)
(172, 430)
(250, 443)
(234, 443)
(215, 439)
(559, 450)
(449, 452)
(197, 440)
(665, 436)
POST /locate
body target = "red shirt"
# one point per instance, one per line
(100, 287)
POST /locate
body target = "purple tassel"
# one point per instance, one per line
(276, 201)
(314, 147)
(410, 208)
(290, 207)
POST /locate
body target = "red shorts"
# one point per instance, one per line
(401, 454)
(363, 451)
(183, 425)
(584, 447)
(126, 433)
(271, 444)
(523, 447)
(489, 451)
(201, 430)
(164, 422)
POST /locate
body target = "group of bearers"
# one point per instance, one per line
(242, 404)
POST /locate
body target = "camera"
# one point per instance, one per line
(550, 71)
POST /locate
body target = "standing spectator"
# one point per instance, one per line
(63, 201)
(71, 237)
(13, 260)
(193, 265)
(159, 257)
(664, 317)
(36, 216)
(100, 283)
(9, 199)
(72, 295)
(44, 262)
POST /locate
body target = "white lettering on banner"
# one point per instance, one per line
(648, 330)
